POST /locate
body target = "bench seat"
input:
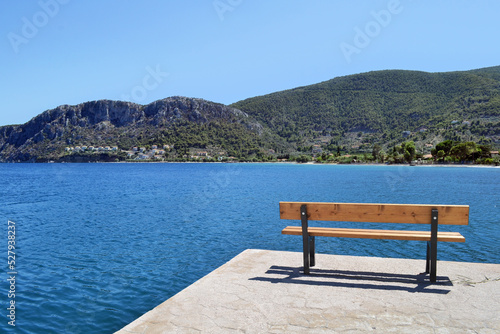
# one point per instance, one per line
(373, 234)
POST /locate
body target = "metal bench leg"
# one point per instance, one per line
(433, 245)
(312, 251)
(305, 238)
(428, 258)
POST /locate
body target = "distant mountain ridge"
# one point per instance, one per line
(107, 122)
(351, 113)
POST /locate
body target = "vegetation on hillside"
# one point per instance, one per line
(385, 108)
(452, 151)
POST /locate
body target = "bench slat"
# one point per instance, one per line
(373, 234)
(377, 213)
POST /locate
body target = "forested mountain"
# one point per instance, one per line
(350, 114)
(386, 107)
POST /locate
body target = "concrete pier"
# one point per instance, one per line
(262, 291)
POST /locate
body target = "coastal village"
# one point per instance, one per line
(151, 153)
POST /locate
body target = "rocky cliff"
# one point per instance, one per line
(106, 122)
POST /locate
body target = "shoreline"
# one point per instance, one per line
(310, 163)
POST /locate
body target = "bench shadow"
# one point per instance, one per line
(357, 279)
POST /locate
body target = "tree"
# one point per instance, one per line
(464, 151)
(440, 154)
(484, 151)
(434, 153)
(409, 150)
(382, 156)
(376, 151)
(303, 158)
(445, 146)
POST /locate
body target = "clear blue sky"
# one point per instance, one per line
(55, 52)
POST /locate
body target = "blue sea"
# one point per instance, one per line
(98, 245)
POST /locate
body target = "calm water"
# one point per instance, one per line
(98, 245)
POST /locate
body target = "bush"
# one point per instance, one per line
(485, 161)
(303, 158)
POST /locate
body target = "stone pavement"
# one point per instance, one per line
(262, 291)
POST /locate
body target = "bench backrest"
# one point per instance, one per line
(377, 213)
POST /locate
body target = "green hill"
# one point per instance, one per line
(385, 107)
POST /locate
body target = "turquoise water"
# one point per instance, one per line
(97, 245)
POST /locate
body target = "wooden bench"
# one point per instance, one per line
(375, 213)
